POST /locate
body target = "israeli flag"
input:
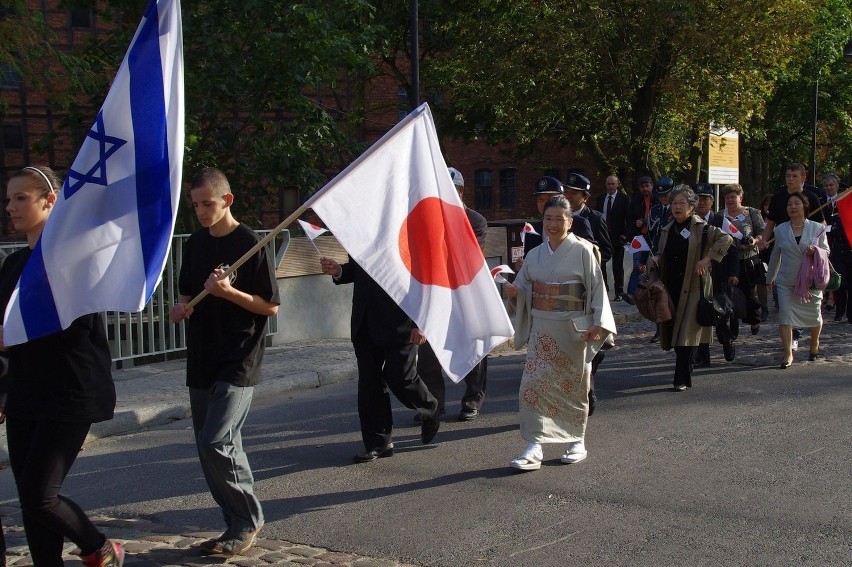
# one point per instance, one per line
(105, 244)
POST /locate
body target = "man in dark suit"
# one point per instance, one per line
(545, 188)
(724, 274)
(613, 206)
(427, 364)
(384, 339)
(578, 189)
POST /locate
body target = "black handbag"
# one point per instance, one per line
(712, 309)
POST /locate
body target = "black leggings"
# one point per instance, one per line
(41, 453)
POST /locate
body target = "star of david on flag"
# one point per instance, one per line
(107, 239)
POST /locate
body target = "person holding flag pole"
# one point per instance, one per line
(58, 386)
(225, 346)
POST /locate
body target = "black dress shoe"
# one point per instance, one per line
(730, 352)
(679, 387)
(812, 356)
(429, 428)
(374, 454)
(468, 414)
(786, 364)
(656, 337)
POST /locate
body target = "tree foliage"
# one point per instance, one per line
(635, 83)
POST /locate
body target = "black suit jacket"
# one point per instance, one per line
(384, 323)
(616, 220)
(600, 230)
(730, 264)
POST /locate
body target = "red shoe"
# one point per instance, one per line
(110, 555)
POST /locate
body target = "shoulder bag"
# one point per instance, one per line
(710, 309)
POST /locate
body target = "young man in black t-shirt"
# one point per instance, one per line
(794, 179)
(225, 344)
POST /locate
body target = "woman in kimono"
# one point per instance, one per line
(563, 311)
(793, 240)
(685, 270)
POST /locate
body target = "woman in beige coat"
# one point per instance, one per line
(685, 269)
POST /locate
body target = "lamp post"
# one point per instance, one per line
(414, 30)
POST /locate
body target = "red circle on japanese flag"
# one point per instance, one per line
(437, 245)
(636, 244)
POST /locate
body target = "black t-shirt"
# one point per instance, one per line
(778, 206)
(224, 341)
(65, 376)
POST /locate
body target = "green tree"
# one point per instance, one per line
(635, 84)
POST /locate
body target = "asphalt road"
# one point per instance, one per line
(750, 467)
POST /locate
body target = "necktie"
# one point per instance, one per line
(608, 206)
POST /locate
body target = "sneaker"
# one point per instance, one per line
(111, 554)
(575, 453)
(231, 544)
(794, 345)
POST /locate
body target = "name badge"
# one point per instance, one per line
(684, 233)
(741, 217)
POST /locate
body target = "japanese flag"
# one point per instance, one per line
(731, 228)
(312, 230)
(528, 229)
(502, 269)
(638, 244)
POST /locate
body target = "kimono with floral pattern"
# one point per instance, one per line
(555, 383)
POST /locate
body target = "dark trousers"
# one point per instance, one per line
(617, 262)
(843, 306)
(684, 356)
(381, 369)
(751, 270)
(429, 370)
(41, 453)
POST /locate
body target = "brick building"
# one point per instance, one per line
(497, 184)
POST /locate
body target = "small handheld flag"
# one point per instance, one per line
(638, 244)
(312, 231)
(731, 228)
(502, 269)
(528, 229)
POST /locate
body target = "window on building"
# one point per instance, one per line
(13, 137)
(9, 78)
(483, 192)
(508, 188)
(80, 17)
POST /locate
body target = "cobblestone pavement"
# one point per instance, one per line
(152, 544)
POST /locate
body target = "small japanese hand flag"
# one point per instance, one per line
(731, 229)
(502, 269)
(528, 229)
(638, 244)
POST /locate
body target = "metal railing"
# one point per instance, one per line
(149, 333)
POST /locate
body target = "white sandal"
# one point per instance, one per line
(530, 459)
(575, 453)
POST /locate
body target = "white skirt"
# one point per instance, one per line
(791, 310)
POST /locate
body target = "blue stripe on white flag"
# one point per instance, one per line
(36, 297)
(153, 185)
